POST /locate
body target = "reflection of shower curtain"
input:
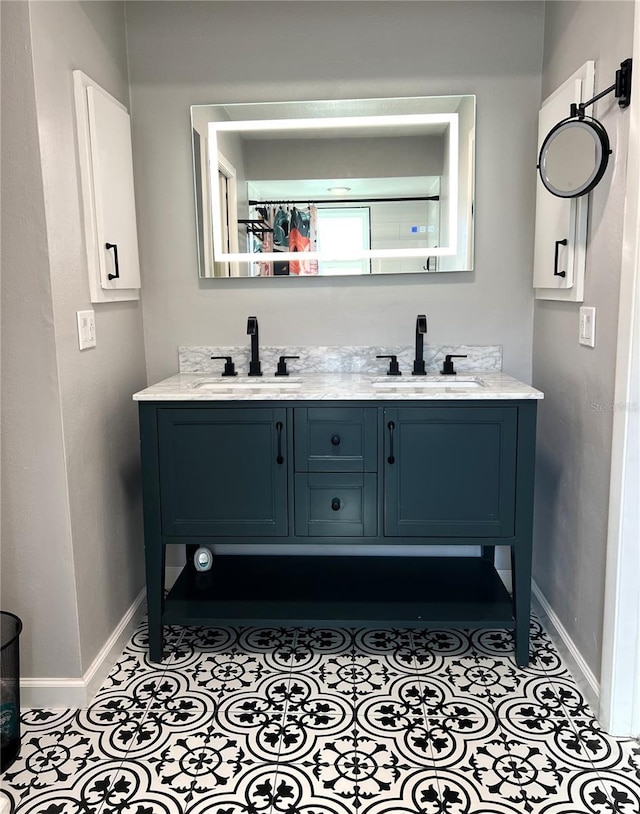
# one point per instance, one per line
(302, 238)
(263, 241)
(294, 230)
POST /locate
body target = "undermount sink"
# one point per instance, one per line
(254, 383)
(416, 383)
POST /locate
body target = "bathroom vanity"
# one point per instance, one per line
(347, 464)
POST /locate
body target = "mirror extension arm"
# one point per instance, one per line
(622, 88)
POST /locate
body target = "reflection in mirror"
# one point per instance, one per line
(574, 157)
(370, 186)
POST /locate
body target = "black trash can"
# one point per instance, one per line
(10, 628)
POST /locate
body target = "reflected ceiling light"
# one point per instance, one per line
(339, 190)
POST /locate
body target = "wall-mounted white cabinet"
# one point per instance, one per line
(106, 172)
(561, 223)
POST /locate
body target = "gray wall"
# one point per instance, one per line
(37, 557)
(72, 436)
(574, 430)
(182, 53)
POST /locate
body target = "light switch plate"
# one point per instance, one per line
(587, 334)
(86, 329)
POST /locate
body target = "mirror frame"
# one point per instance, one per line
(303, 114)
(601, 140)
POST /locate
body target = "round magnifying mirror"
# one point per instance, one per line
(574, 157)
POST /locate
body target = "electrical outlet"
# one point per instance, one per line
(86, 329)
(587, 334)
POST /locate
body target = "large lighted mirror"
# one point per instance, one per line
(369, 186)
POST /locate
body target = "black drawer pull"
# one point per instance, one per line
(557, 273)
(279, 459)
(114, 246)
(391, 459)
(335, 440)
(335, 504)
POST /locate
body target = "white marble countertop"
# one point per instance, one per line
(467, 386)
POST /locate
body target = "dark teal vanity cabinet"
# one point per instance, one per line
(339, 476)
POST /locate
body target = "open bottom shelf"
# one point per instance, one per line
(352, 591)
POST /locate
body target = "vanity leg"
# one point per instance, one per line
(488, 552)
(155, 559)
(521, 578)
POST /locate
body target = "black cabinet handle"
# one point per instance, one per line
(557, 273)
(391, 427)
(335, 504)
(335, 440)
(113, 246)
(279, 459)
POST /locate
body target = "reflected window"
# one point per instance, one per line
(344, 231)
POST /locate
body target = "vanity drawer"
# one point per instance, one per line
(328, 505)
(335, 439)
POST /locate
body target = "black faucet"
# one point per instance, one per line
(252, 331)
(421, 329)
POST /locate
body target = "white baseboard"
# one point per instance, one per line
(77, 693)
(585, 679)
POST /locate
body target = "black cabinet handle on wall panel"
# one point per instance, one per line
(114, 246)
(279, 459)
(335, 504)
(557, 273)
(391, 459)
(335, 440)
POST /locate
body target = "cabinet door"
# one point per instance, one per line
(223, 472)
(561, 223)
(110, 134)
(108, 205)
(450, 472)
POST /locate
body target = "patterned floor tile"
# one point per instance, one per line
(134, 677)
(458, 794)
(327, 640)
(441, 642)
(222, 674)
(348, 772)
(198, 641)
(382, 792)
(59, 746)
(353, 676)
(327, 721)
(571, 698)
(472, 676)
(196, 762)
(622, 794)
(136, 692)
(630, 763)
(531, 775)
(256, 717)
(102, 788)
(176, 709)
(254, 791)
(499, 644)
